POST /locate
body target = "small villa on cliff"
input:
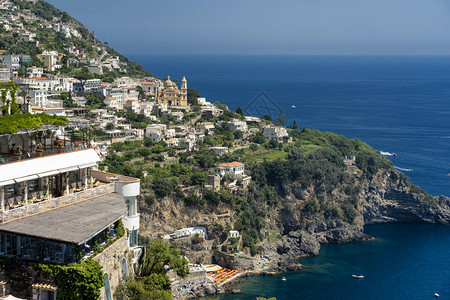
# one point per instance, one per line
(235, 169)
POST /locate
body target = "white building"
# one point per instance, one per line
(66, 84)
(202, 101)
(49, 59)
(190, 231)
(155, 132)
(233, 234)
(133, 106)
(277, 133)
(237, 125)
(152, 86)
(219, 150)
(125, 82)
(92, 85)
(27, 36)
(235, 169)
(5, 74)
(34, 72)
(55, 206)
(146, 108)
(186, 143)
(38, 95)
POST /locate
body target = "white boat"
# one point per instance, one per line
(284, 278)
(358, 276)
(293, 106)
(436, 295)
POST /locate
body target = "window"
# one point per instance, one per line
(107, 287)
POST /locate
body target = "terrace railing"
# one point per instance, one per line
(7, 160)
(54, 203)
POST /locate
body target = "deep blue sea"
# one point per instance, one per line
(395, 104)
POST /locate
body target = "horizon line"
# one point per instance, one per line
(280, 54)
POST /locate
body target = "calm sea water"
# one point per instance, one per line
(407, 261)
(395, 104)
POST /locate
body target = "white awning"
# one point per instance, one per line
(84, 166)
(26, 178)
(46, 174)
(73, 168)
(7, 182)
(48, 165)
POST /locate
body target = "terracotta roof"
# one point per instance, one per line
(111, 98)
(46, 109)
(149, 82)
(40, 78)
(231, 164)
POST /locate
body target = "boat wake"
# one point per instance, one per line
(387, 153)
(404, 170)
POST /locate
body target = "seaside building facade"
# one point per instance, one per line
(56, 207)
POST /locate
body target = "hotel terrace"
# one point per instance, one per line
(54, 205)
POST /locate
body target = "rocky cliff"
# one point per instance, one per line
(305, 218)
(387, 197)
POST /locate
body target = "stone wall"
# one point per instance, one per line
(111, 261)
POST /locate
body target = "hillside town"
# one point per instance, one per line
(119, 184)
(73, 118)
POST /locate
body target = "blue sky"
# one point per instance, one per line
(335, 27)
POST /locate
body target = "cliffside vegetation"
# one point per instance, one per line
(151, 282)
(318, 174)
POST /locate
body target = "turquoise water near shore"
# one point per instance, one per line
(406, 261)
(395, 104)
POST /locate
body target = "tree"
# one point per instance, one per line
(158, 254)
(294, 125)
(280, 120)
(253, 147)
(192, 96)
(141, 92)
(211, 197)
(239, 111)
(95, 100)
(267, 118)
(10, 106)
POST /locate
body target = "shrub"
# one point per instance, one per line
(349, 213)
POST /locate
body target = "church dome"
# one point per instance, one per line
(168, 82)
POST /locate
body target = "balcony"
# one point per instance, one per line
(16, 158)
(54, 203)
(45, 141)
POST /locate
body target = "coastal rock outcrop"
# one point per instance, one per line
(383, 198)
(306, 217)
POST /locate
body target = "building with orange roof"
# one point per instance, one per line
(152, 86)
(235, 169)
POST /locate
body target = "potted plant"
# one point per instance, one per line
(18, 151)
(59, 145)
(39, 149)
